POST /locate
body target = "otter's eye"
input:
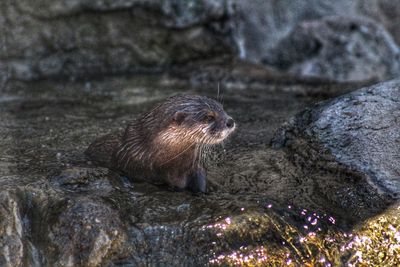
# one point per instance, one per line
(179, 117)
(209, 118)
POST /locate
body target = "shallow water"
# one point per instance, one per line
(259, 210)
(47, 125)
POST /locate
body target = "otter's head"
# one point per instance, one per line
(199, 119)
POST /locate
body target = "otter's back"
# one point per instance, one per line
(102, 149)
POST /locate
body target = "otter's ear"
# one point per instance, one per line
(179, 117)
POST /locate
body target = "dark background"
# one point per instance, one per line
(338, 40)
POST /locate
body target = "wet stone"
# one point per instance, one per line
(81, 179)
(11, 231)
(350, 146)
(85, 233)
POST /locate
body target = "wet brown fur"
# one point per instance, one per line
(168, 143)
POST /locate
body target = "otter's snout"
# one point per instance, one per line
(230, 123)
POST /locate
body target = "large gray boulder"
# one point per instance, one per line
(278, 34)
(337, 48)
(350, 146)
(262, 24)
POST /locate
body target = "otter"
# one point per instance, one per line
(167, 145)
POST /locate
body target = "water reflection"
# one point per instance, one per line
(311, 241)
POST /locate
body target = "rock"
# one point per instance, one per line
(80, 38)
(242, 72)
(385, 12)
(265, 30)
(79, 179)
(262, 24)
(350, 146)
(85, 233)
(174, 13)
(337, 48)
(11, 231)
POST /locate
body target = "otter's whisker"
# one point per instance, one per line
(180, 153)
(218, 92)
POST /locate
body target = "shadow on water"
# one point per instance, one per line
(262, 209)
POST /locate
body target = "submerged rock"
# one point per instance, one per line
(350, 147)
(338, 48)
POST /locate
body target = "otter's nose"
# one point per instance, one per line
(230, 123)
